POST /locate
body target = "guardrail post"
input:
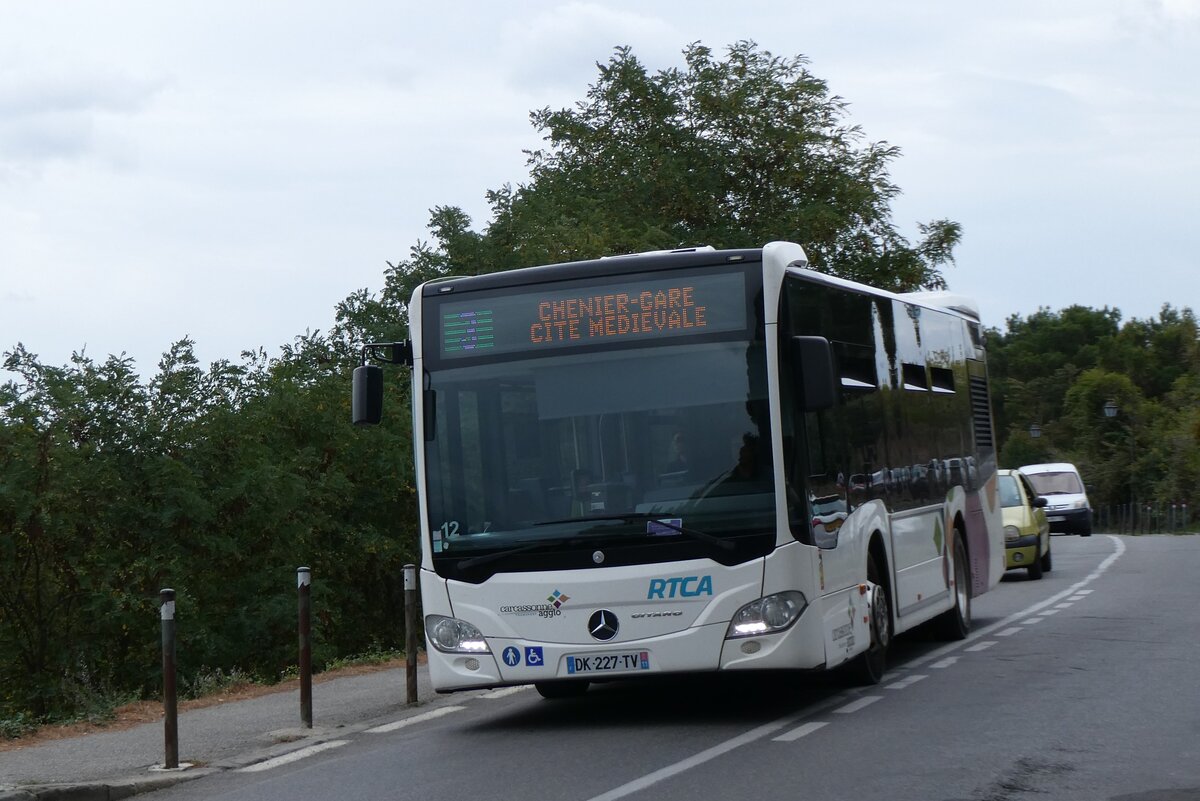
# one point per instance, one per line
(410, 631)
(170, 703)
(304, 603)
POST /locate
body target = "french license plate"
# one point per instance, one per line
(1055, 518)
(608, 663)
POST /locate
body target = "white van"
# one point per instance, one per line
(1067, 508)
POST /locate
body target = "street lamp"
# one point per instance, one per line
(1110, 411)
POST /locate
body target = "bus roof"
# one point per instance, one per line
(607, 265)
(682, 258)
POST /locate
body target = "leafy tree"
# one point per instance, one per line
(1059, 369)
(1037, 360)
(1106, 449)
(218, 482)
(1177, 440)
(731, 152)
(72, 535)
(1156, 353)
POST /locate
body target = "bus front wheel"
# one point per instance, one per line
(869, 666)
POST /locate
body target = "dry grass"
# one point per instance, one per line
(141, 712)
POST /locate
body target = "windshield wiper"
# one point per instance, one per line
(694, 533)
(488, 558)
(579, 519)
(495, 556)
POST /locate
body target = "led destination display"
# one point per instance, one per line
(636, 308)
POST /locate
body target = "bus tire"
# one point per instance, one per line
(869, 666)
(554, 690)
(955, 623)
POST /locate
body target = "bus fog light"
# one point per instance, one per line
(767, 615)
(453, 636)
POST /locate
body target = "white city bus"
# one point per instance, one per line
(689, 461)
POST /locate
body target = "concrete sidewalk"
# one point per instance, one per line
(115, 764)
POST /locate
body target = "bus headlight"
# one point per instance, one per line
(767, 615)
(453, 636)
(1011, 533)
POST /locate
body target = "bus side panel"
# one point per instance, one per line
(920, 547)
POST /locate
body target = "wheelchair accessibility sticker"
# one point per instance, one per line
(533, 656)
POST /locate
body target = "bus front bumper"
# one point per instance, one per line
(693, 650)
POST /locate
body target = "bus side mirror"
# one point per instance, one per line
(366, 401)
(812, 363)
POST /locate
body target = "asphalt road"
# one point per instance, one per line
(1083, 685)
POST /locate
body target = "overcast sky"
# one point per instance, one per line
(230, 171)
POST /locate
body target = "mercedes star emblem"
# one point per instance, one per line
(603, 625)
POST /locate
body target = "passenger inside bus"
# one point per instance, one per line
(679, 454)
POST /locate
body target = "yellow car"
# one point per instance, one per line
(1026, 530)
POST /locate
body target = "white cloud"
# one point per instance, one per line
(231, 171)
(60, 114)
(559, 48)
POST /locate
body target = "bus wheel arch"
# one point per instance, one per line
(869, 666)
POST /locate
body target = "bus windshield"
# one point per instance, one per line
(635, 447)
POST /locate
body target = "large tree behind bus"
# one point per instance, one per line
(728, 152)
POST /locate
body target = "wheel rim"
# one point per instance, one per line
(880, 630)
(960, 582)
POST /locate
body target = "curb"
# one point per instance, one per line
(286, 741)
(100, 791)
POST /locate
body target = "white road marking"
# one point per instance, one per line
(1027, 621)
(1064, 606)
(642, 783)
(983, 646)
(1009, 631)
(906, 682)
(293, 756)
(400, 724)
(1048, 612)
(506, 691)
(1078, 597)
(945, 663)
(767, 729)
(1075, 589)
(800, 731)
(854, 706)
